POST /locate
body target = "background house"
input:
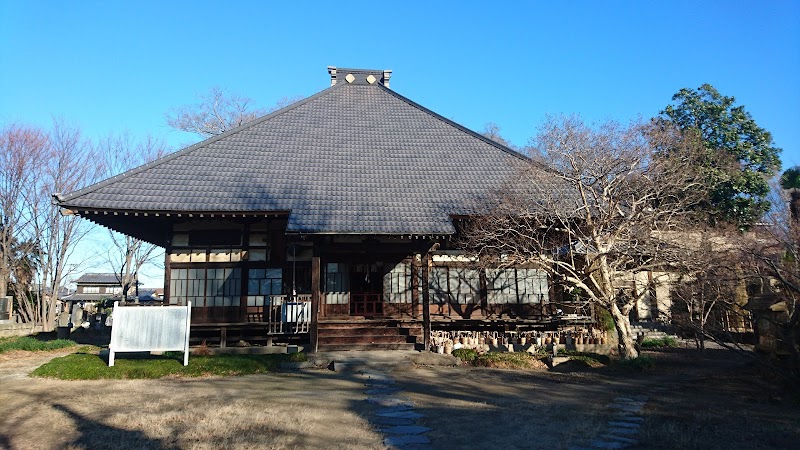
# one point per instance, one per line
(94, 287)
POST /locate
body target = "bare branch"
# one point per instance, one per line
(218, 112)
(616, 213)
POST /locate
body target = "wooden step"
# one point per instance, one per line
(413, 331)
(368, 335)
(359, 331)
(362, 323)
(367, 347)
(365, 339)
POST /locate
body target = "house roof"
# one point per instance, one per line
(354, 158)
(90, 297)
(98, 278)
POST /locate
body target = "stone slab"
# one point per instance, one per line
(406, 439)
(406, 429)
(383, 390)
(408, 414)
(634, 399)
(598, 443)
(622, 439)
(620, 424)
(628, 418)
(394, 409)
(376, 377)
(390, 401)
(626, 407)
(392, 421)
(291, 365)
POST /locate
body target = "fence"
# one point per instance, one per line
(289, 314)
(150, 328)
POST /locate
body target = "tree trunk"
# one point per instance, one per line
(4, 274)
(627, 348)
(794, 204)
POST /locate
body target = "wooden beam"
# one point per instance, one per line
(315, 293)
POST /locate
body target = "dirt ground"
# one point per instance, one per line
(694, 401)
(707, 400)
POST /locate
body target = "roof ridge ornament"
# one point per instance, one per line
(360, 76)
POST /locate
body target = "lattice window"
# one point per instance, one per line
(501, 286)
(454, 285)
(397, 284)
(262, 283)
(205, 287)
(532, 286)
(516, 286)
(337, 284)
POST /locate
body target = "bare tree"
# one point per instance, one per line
(708, 293)
(218, 112)
(21, 148)
(492, 131)
(68, 164)
(773, 252)
(127, 255)
(616, 207)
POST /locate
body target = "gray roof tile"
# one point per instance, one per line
(350, 159)
(98, 278)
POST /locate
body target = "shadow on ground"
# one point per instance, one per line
(94, 434)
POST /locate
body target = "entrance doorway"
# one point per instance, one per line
(366, 282)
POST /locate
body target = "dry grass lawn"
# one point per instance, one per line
(274, 411)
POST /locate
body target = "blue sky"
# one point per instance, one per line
(115, 66)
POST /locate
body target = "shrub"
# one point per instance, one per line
(465, 354)
(605, 319)
(666, 341)
(203, 349)
(641, 364)
(515, 360)
(27, 343)
(594, 360)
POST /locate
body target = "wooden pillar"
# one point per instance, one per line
(415, 282)
(167, 275)
(315, 275)
(483, 292)
(244, 280)
(426, 303)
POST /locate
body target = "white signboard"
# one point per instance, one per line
(150, 328)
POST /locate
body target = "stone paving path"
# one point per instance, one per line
(394, 415)
(623, 427)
